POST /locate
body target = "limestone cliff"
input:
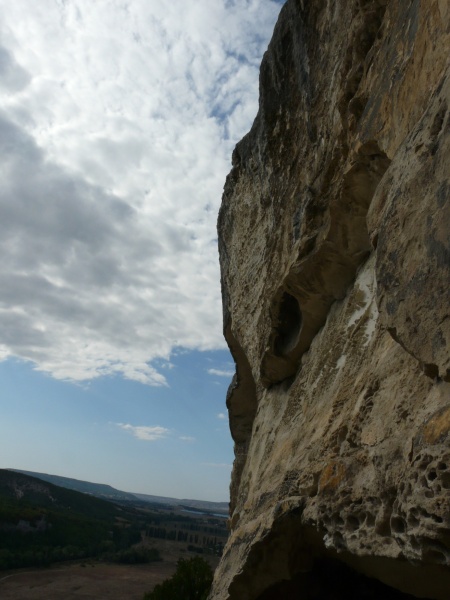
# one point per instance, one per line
(335, 259)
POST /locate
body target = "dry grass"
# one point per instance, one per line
(93, 581)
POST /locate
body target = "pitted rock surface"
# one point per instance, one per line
(335, 260)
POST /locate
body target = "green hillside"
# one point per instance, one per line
(100, 490)
(107, 492)
(41, 523)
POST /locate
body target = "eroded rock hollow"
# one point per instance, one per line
(335, 260)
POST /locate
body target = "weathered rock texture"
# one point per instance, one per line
(335, 257)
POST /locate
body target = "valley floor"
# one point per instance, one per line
(89, 580)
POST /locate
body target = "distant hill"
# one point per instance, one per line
(100, 490)
(41, 523)
(31, 490)
(107, 492)
(200, 505)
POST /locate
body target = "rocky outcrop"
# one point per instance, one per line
(335, 259)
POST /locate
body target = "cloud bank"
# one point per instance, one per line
(221, 372)
(142, 432)
(117, 124)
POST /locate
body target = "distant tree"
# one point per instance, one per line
(191, 581)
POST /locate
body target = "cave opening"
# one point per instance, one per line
(330, 579)
(289, 324)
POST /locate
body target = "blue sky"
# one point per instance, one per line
(117, 123)
(169, 440)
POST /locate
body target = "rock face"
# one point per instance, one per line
(335, 257)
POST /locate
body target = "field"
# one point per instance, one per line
(92, 580)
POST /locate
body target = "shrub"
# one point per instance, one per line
(191, 581)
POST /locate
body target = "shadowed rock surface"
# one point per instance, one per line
(335, 260)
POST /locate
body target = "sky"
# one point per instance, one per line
(117, 123)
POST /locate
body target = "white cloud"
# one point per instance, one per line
(221, 372)
(221, 416)
(187, 438)
(142, 432)
(116, 130)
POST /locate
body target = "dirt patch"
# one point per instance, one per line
(94, 581)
